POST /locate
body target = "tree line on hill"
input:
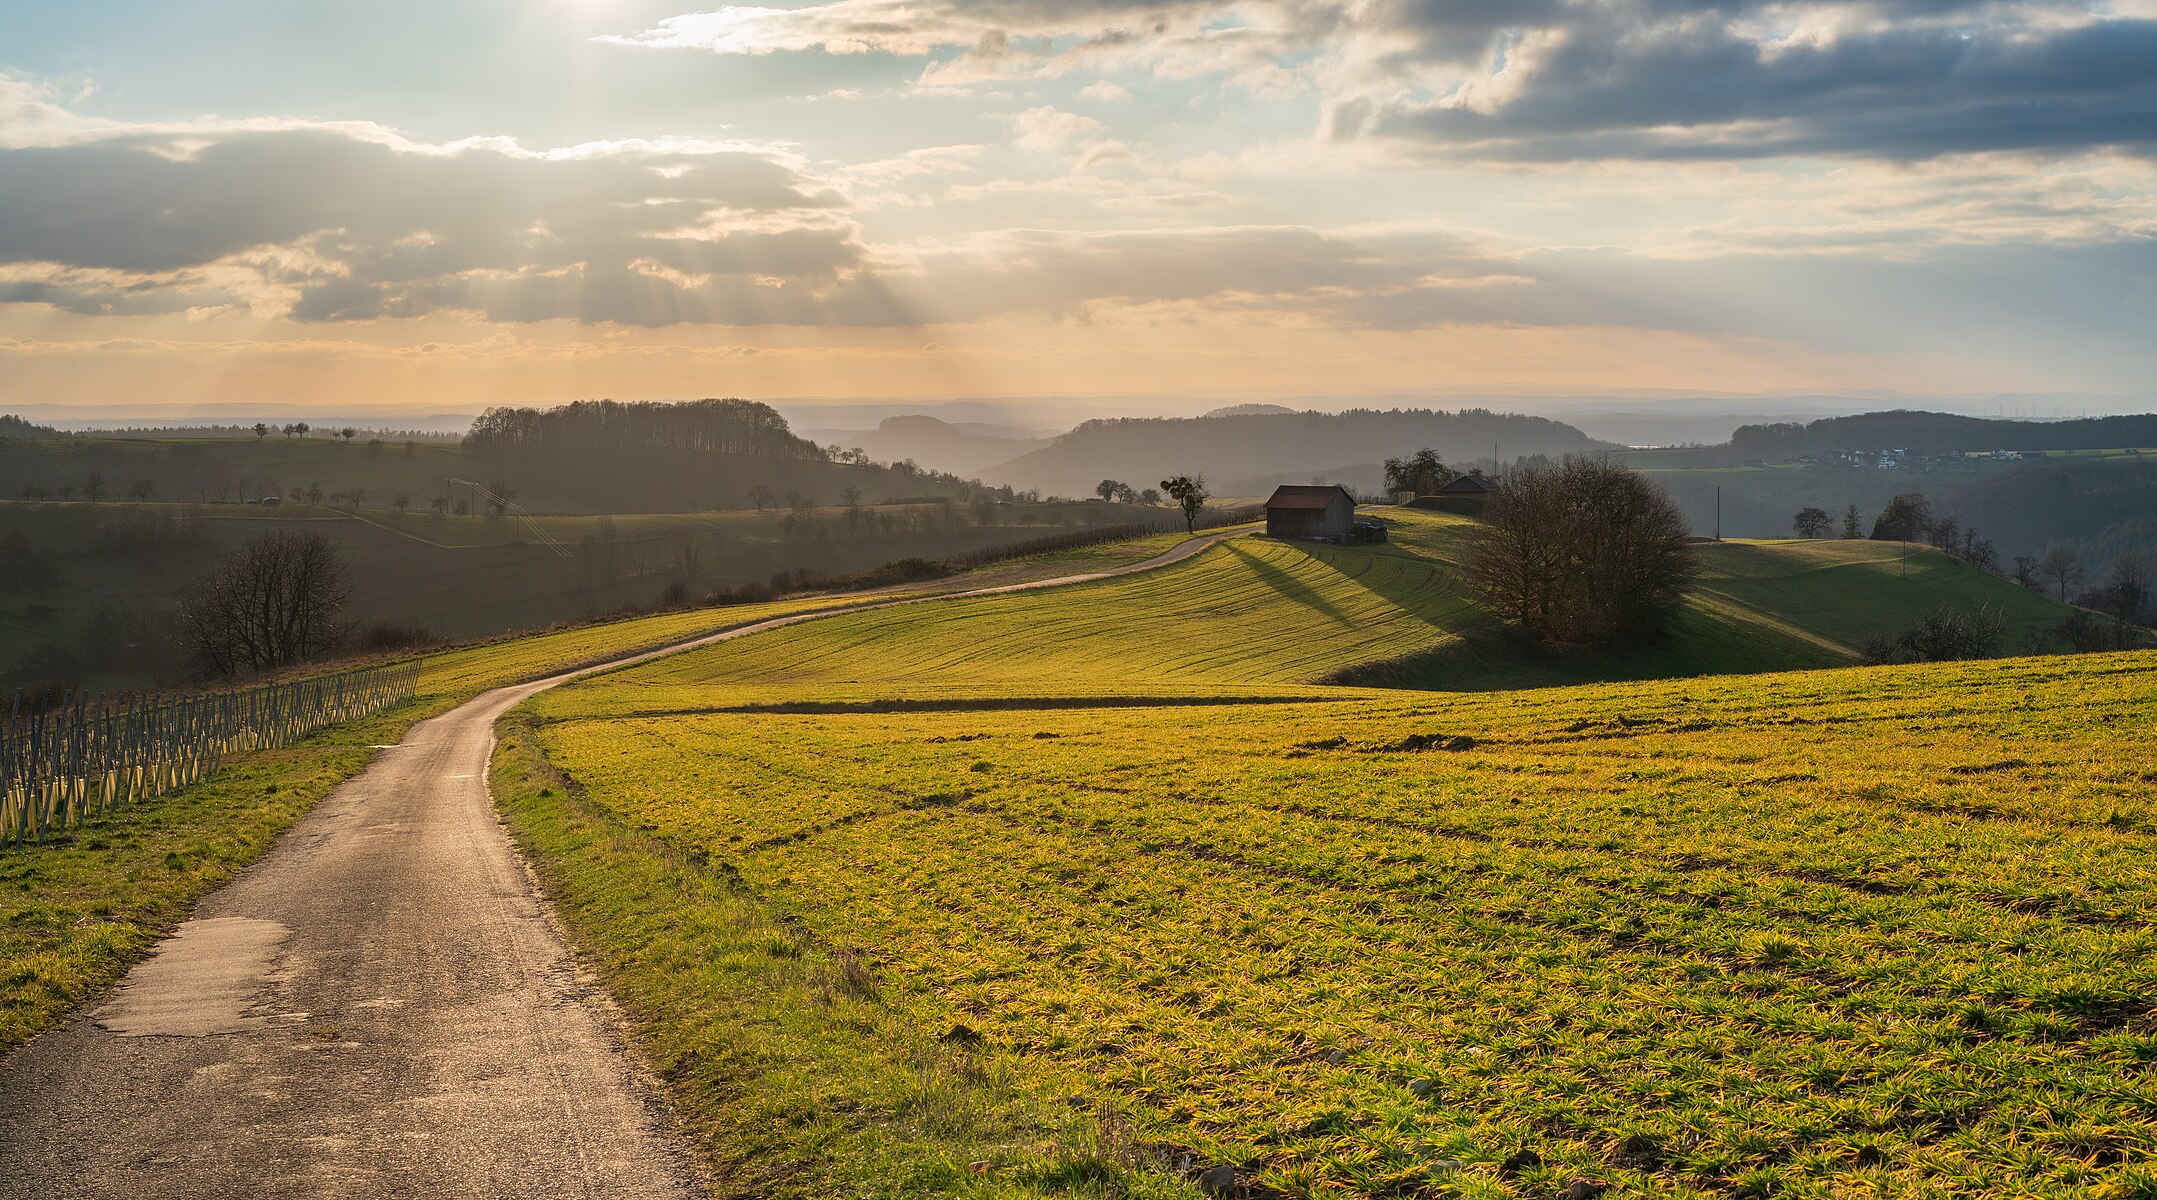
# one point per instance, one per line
(692, 456)
(12, 426)
(1939, 433)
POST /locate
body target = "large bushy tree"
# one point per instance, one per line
(1581, 552)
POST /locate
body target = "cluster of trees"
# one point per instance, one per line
(1581, 552)
(1422, 473)
(1907, 518)
(587, 426)
(704, 454)
(1117, 492)
(2125, 591)
(1945, 636)
(12, 426)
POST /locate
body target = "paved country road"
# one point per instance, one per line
(380, 1007)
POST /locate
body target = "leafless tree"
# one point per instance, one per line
(2061, 567)
(1582, 552)
(274, 602)
(1811, 522)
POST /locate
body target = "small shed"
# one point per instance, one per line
(1326, 512)
(1465, 495)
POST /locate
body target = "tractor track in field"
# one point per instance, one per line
(381, 1006)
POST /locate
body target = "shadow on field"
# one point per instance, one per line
(979, 704)
(1291, 588)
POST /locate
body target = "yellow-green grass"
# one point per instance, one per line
(1856, 932)
(76, 913)
(1256, 616)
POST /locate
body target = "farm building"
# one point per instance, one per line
(1325, 512)
(1464, 495)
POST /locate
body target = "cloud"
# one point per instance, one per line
(324, 223)
(1554, 80)
(1049, 129)
(1705, 90)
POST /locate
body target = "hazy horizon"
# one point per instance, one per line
(440, 208)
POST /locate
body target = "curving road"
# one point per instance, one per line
(380, 1007)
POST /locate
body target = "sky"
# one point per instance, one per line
(397, 206)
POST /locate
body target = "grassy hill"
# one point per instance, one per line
(1084, 892)
(1255, 615)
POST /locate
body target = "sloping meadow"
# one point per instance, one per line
(1089, 893)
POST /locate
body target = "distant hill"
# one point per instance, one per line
(937, 445)
(677, 457)
(1142, 451)
(1940, 432)
(1251, 410)
(12, 426)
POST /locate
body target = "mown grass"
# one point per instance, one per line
(1832, 932)
(77, 912)
(1863, 931)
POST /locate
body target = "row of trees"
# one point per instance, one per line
(1117, 492)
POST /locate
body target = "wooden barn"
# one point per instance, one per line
(1325, 512)
(1464, 495)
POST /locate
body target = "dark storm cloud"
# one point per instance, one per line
(1702, 91)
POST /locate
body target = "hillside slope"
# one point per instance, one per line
(1808, 934)
(1257, 616)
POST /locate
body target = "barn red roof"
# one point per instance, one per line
(1296, 495)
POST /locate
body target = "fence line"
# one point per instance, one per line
(64, 762)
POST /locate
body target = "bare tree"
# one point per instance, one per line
(2061, 567)
(272, 603)
(1189, 493)
(1582, 552)
(1812, 522)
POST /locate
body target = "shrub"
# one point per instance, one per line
(1948, 635)
(2085, 632)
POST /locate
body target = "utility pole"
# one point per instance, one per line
(1718, 512)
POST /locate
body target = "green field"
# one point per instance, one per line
(1257, 615)
(1079, 892)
